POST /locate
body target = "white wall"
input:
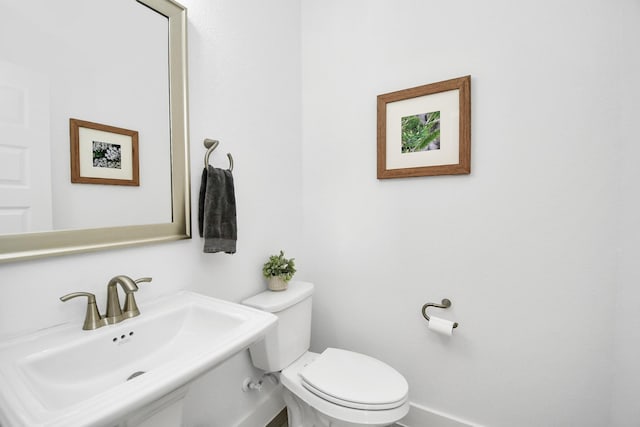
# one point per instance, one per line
(244, 86)
(525, 246)
(625, 409)
(245, 91)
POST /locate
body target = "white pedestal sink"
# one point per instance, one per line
(120, 374)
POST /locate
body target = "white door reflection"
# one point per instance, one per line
(25, 171)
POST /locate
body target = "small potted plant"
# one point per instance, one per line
(278, 271)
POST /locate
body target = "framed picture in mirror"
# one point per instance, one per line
(103, 154)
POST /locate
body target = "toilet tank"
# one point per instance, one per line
(291, 337)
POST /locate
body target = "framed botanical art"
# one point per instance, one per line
(102, 154)
(425, 130)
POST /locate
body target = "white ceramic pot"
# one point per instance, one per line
(277, 283)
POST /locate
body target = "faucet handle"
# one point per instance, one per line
(130, 308)
(92, 319)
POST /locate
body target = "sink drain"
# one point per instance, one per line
(135, 374)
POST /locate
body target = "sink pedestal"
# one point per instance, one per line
(164, 412)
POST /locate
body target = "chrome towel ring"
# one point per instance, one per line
(212, 144)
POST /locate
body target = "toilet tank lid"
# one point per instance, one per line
(275, 301)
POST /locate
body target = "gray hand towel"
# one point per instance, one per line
(217, 211)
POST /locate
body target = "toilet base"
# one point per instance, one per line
(302, 415)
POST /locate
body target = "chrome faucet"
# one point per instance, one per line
(116, 314)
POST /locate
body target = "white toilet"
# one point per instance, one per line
(337, 388)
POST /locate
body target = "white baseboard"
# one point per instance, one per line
(420, 416)
(266, 410)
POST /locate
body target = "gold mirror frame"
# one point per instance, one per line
(50, 243)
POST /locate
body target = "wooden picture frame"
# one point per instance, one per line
(425, 130)
(102, 154)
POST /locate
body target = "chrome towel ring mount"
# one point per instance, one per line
(210, 145)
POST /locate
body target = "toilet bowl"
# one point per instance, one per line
(324, 387)
(335, 388)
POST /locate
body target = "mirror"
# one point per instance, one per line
(119, 63)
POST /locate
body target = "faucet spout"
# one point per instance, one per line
(114, 312)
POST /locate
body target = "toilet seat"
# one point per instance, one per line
(293, 384)
(354, 380)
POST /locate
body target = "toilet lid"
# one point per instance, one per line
(355, 380)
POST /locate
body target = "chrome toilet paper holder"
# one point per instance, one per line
(445, 304)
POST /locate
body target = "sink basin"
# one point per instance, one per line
(64, 376)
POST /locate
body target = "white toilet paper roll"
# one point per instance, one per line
(442, 326)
